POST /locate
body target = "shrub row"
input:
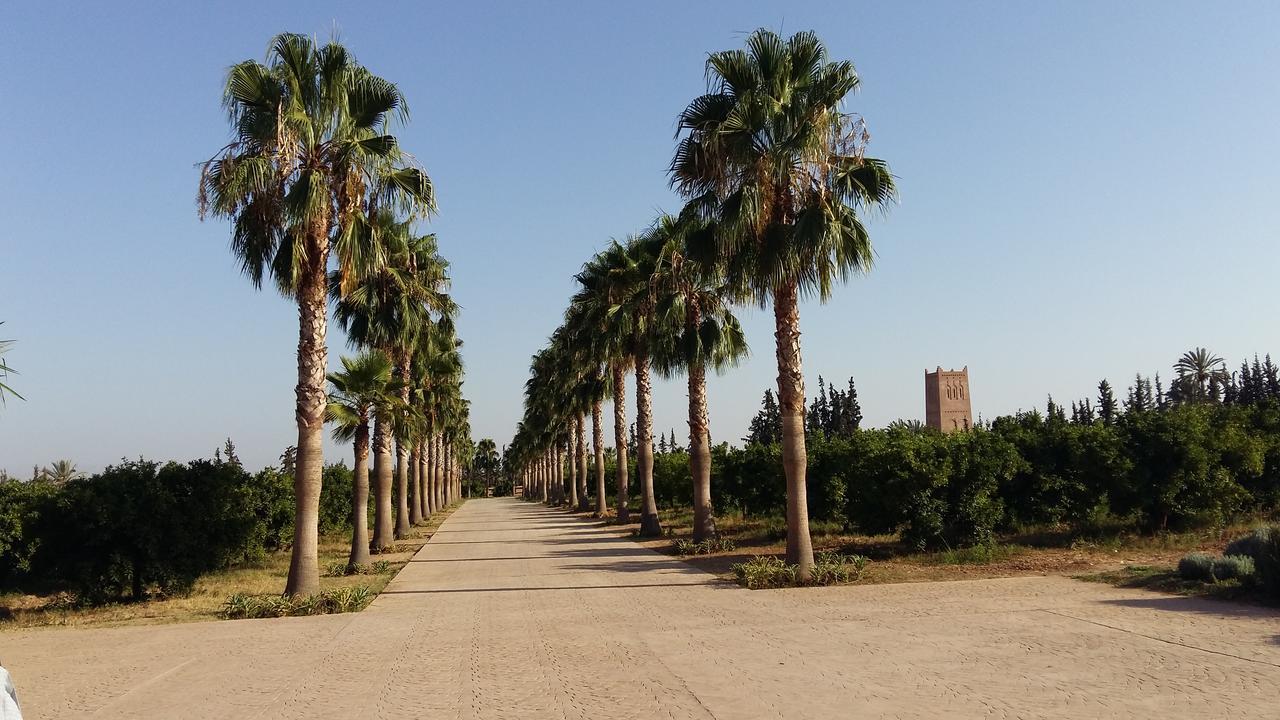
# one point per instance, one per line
(140, 528)
(1190, 465)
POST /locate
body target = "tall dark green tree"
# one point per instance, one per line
(1108, 408)
(766, 426)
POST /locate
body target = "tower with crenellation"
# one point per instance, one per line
(946, 400)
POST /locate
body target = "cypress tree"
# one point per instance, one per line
(1247, 393)
(1270, 374)
(766, 426)
(1107, 408)
(853, 410)
(1054, 412)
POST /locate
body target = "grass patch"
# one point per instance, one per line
(684, 546)
(342, 569)
(1169, 580)
(985, 554)
(766, 571)
(337, 600)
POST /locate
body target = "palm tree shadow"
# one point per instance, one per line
(1204, 606)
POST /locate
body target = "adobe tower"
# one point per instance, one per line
(946, 400)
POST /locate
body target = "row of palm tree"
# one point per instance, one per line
(775, 182)
(322, 201)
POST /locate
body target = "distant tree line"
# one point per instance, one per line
(833, 413)
(1198, 454)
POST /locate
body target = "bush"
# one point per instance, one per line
(339, 600)
(834, 569)
(685, 546)
(1196, 566)
(1233, 567)
(20, 507)
(672, 483)
(335, 499)
(765, 571)
(342, 569)
(1267, 566)
(139, 529)
(1252, 544)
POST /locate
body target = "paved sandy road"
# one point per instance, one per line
(516, 611)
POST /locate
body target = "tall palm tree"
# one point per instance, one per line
(635, 274)
(1197, 368)
(363, 388)
(309, 158)
(769, 153)
(604, 285)
(701, 331)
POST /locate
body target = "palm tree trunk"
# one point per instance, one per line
(442, 473)
(649, 525)
(424, 508)
(426, 478)
(584, 501)
(704, 520)
(360, 500)
(436, 494)
(449, 475)
(620, 442)
(597, 441)
(542, 480)
(415, 507)
(383, 515)
(313, 355)
(545, 479)
(571, 456)
(786, 317)
(560, 488)
(402, 456)
(402, 490)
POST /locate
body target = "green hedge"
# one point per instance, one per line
(1185, 466)
(140, 528)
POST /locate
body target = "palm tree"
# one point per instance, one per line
(440, 365)
(1197, 368)
(701, 332)
(486, 461)
(387, 308)
(769, 154)
(635, 274)
(61, 472)
(605, 284)
(310, 158)
(5, 370)
(362, 389)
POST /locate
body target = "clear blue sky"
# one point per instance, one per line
(1088, 189)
